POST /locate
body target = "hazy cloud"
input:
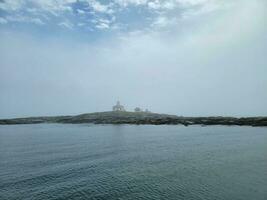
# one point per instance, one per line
(54, 11)
(207, 64)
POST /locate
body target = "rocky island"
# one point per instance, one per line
(124, 117)
(119, 115)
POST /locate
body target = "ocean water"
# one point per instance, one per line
(71, 162)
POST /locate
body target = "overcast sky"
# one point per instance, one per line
(184, 57)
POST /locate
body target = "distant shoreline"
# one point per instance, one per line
(139, 118)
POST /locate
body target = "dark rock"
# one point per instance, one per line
(121, 117)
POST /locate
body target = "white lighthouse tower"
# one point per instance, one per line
(118, 107)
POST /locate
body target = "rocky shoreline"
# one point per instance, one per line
(122, 117)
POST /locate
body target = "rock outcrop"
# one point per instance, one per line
(118, 117)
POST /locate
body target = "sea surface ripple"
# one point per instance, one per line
(109, 162)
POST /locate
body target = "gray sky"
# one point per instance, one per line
(200, 58)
